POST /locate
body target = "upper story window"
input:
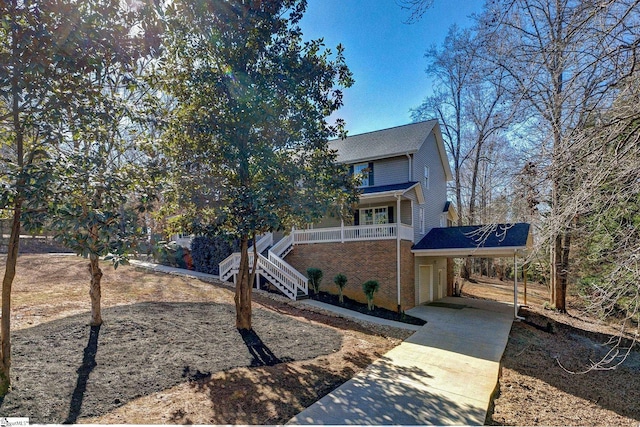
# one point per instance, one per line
(426, 178)
(365, 170)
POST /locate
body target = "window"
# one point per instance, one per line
(422, 220)
(426, 177)
(365, 171)
(371, 216)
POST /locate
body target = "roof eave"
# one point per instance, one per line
(506, 251)
(372, 158)
(390, 193)
(394, 193)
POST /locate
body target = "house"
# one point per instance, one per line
(404, 173)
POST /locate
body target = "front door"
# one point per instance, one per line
(425, 289)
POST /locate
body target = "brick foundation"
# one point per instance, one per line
(361, 261)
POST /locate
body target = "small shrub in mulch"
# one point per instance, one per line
(354, 305)
(315, 277)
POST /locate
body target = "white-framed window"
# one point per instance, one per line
(363, 170)
(371, 216)
(443, 220)
(422, 220)
(426, 177)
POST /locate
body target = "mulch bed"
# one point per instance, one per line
(65, 370)
(351, 304)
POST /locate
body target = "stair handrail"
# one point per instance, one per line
(285, 243)
(300, 280)
(286, 281)
(289, 279)
(262, 242)
(228, 264)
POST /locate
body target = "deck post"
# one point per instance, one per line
(341, 230)
(515, 286)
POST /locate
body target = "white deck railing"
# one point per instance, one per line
(353, 233)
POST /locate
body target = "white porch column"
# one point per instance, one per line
(515, 286)
(398, 217)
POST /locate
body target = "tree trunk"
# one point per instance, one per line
(7, 281)
(95, 291)
(244, 287)
(14, 238)
(563, 246)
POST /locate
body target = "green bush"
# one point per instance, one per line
(341, 281)
(315, 277)
(370, 287)
(208, 252)
(172, 255)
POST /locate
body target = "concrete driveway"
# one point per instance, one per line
(444, 374)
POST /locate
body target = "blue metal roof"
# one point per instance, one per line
(476, 236)
(391, 187)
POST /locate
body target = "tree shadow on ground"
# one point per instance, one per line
(88, 364)
(538, 351)
(260, 353)
(143, 349)
(390, 395)
(268, 394)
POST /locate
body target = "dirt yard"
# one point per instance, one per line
(168, 351)
(542, 380)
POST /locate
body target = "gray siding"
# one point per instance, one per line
(405, 207)
(436, 196)
(391, 171)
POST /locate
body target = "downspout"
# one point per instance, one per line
(398, 249)
(410, 166)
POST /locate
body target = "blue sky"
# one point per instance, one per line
(385, 55)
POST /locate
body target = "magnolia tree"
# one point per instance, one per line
(103, 177)
(46, 51)
(249, 106)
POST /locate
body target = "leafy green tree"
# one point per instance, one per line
(370, 287)
(341, 281)
(104, 177)
(46, 49)
(249, 106)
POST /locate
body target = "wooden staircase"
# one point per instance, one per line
(272, 267)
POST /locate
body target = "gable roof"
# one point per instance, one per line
(475, 240)
(396, 141)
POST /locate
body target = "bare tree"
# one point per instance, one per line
(564, 58)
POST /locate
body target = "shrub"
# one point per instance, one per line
(168, 253)
(370, 287)
(208, 252)
(165, 253)
(315, 277)
(341, 281)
